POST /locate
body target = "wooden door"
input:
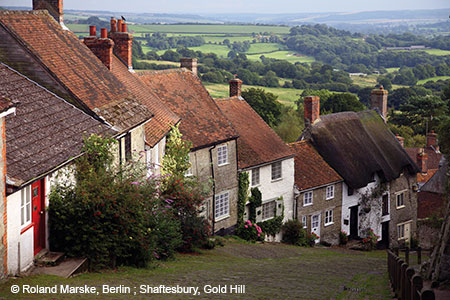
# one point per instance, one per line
(38, 202)
(354, 222)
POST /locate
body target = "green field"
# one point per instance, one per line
(436, 78)
(160, 62)
(260, 48)
(285, 55)
(392, 70)
(437, 52)
(78, 27)
(236, 29)
(285, 96)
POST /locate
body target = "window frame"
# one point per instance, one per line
(274, 168)
(401, 236)
(385, 209)
(226, 207)
(254, 175)
(398, 196)
(305, 221)
(311, 198)
(272, 213)
(328, 219)
(127, 146)
(327, 197)
(26, 207)
(222, 159)
(189, 172)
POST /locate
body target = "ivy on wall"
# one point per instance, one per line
(255, 201)
(242, 197)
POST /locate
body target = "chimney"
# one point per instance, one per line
(401, 140)
(311, 109)
(190, 64)
(102, 47)
(422, 161)
(123, 42)
(432, 140)
(378, 100)
(235, 87)
(54, 7)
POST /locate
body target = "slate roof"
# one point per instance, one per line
(73, 65)
(311, 170)
(257, 143)
(357, 145)
(5, 104)
(163, 118)
(46, 130)
(433, 156)
(437, 183)
(202, 122)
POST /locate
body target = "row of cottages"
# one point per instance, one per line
(379, 178)
(65, 89)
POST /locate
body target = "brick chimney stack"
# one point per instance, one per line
(235, 87)
(432, 140)
(102, 47)
(378, 100)
(123, 42)
(311, 109)
(54, 7)
(190, 64)
(422, 161)
(401, 140)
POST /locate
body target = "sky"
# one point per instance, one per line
(242, 6)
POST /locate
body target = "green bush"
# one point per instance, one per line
(295, 234)
(250, 232)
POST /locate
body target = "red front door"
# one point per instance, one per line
(38, 200)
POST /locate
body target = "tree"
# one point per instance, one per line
(265, 104)
(342, 102)
(176, 158)
(385, 82)
(291, 124)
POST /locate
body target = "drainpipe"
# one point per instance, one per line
(214, 187)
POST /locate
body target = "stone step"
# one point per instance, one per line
(66, 268)
(49, 259)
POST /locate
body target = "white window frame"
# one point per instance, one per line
(328, 220)
(400, 195)
(225, 213)
(222, 155)
(317, 222)
(157, 158)
(330, 192)
(189, 171)
(274, 168)
(270, 213)
(25, 207)
(255, 173)
(401, 231)
(305, 221)
(308, 195)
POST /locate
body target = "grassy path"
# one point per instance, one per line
(268, 271)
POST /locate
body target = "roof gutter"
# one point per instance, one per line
(266, 163)
(213, 144)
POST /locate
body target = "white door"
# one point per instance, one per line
(315, 226)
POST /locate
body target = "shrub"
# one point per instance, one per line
(343, 238)
(370, 241)
(295, 234)
(250, 232)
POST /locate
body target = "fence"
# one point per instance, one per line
(406, 283)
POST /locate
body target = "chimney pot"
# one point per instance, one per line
(124, 27)
(378, 100)
(422, 161)
(190, 64)
(235, 87)
(113, 24)
(123, 42)
(92, 30)
(119, 25)
(311, 109)
(104, 33)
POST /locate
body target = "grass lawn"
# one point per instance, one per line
(207, 29)
(438, 52)
(285, 96)
(285, 55)
(268, 271)
(436, 78)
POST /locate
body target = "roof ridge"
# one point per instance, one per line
(165, 71)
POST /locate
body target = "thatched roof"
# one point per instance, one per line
(357, 145)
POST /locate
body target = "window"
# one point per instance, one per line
(401, 231)
(330, 192)
(276, 170)
(222, 207)
(268, 210)
(128, 146)
(189, 171)
(401, 200)
(385, 205)
(315, 221)
(350, 191)
(304, 222)
(222, 155)
(25, 206)
(307, 198)
(255, 176)
(157, 161)
(328, 217)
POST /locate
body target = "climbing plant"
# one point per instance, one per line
(242, 196)
(255, 201)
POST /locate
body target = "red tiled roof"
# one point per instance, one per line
(257, 143)
(311, 170)
(429, 204)
(163, 118)
(202, 122)
(45, 132)
(73, 65)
